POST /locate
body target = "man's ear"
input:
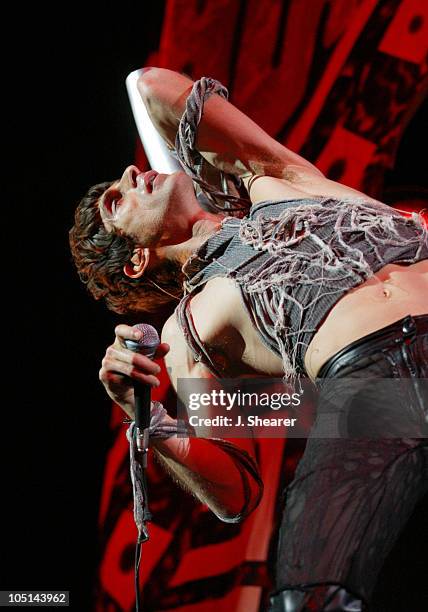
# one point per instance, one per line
(138, 263)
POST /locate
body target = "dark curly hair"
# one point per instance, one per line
(100, 255)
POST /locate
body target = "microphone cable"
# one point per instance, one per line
(144, 536)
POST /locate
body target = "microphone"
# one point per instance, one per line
(147, 345)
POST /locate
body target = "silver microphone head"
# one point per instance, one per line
(148, 343)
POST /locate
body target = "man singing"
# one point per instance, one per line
(317, 280)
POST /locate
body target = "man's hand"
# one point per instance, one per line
(120, 367)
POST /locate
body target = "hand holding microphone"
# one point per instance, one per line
(122, 366)
(146, 345)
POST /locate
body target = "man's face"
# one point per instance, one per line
(150, 208)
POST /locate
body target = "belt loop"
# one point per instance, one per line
(408, 329)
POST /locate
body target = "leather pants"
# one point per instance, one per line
(354, 492)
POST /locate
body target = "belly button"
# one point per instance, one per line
(386, 292)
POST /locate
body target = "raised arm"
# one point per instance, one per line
(232, 142)
(227, 138)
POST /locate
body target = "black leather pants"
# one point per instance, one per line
(354, 491)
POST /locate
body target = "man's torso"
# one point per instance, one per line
(224, 325)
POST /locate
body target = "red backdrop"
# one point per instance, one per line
(337, 81)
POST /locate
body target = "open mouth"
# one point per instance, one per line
(145, 181)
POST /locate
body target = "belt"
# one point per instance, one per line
(404, 330)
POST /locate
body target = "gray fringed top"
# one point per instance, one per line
(293, 260)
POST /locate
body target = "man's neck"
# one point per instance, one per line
(202, 229)
(206, 227)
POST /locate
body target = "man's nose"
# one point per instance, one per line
(129, 178)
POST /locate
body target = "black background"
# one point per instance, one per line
(69, 125)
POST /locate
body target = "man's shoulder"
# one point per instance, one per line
(170, 329)
(220, 298)
(216, 306)
(216, 312)
(213, 310)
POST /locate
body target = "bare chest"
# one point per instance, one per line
(226, 329)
